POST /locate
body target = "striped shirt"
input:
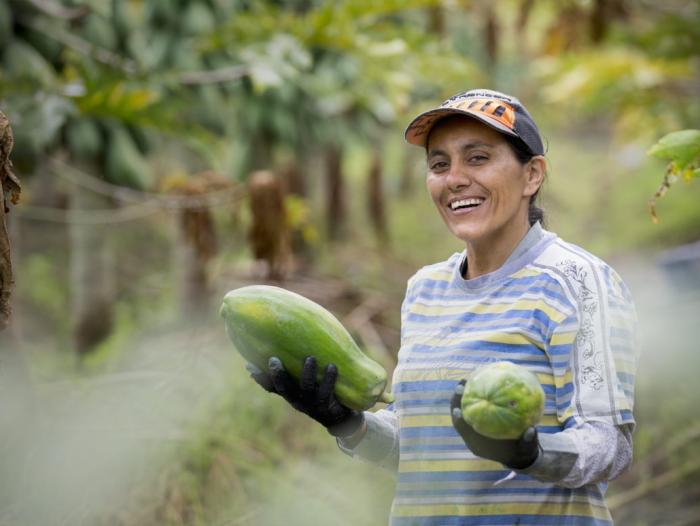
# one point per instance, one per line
(552, 308)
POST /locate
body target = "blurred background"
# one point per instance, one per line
(172, 150)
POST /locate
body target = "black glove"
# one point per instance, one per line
(518, 453)
(314, 399)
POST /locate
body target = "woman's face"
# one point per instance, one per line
(479, 187)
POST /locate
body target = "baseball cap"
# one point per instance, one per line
(502, 112)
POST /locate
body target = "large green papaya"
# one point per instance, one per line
(502, 399)
(264, 321)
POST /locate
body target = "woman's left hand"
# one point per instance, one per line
(518, 453)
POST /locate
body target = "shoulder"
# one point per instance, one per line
(584, 276)
(441, 271)
(434, 275)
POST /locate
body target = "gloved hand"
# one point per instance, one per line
(516, 454)
(312, 398)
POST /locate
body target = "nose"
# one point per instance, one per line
(457, 178)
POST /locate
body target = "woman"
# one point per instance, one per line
(517, 293)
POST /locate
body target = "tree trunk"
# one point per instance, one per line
(521, 23)
(599, 21)
(294, 180)
(335, 193)
(6, 280)
(603, 14)
(436, 20)
(9, 192)
(491, 36)
(196, 240)
(376, 202)
(407, 181)
(260, 155)
(269, 231)
(92, 272)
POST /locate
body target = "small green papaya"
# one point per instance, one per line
(502, 399)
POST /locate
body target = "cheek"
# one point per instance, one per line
(434, 187)
(508, 187)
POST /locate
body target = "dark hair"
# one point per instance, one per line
(523, 155)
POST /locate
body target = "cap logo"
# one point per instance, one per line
(494, 109)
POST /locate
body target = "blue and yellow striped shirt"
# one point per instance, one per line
(553, 308)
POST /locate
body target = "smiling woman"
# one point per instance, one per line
(481, 189)
(517, 293)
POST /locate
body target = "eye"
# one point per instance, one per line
(438, 166)
(478, 158)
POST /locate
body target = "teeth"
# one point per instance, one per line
(466, 202)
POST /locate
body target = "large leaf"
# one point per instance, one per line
(681, 147)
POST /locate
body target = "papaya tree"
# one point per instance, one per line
(9, 192)
(350, 68)
(97, 84)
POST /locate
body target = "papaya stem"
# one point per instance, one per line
(386, 397)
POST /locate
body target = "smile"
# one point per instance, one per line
(470, 203)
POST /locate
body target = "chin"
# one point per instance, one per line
(468, 233)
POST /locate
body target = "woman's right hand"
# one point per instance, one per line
(315, 399)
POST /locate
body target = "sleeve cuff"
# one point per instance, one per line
(378, 444)
(556, 459)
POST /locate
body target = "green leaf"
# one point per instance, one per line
(681, 147)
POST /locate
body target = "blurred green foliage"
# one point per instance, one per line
(135, 91)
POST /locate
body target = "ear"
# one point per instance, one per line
(535, 170)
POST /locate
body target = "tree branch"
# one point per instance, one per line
(80, 45)
(215, 76)
(652, 485)
(59, 11)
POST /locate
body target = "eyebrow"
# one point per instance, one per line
(464, 148)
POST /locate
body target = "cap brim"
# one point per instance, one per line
(418, 130)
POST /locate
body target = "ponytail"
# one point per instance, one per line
(523, 154)
(534, 213)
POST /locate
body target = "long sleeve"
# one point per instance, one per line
(380, 443)
(593, 353)
(587, 453)
(593, 350)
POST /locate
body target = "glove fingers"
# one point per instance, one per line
(282, 381)
(527, 443)
(263, 380)
(529, 436)
(456, 400)
(307, 380)
(458, 422)
(325, 390)
(525, 450)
